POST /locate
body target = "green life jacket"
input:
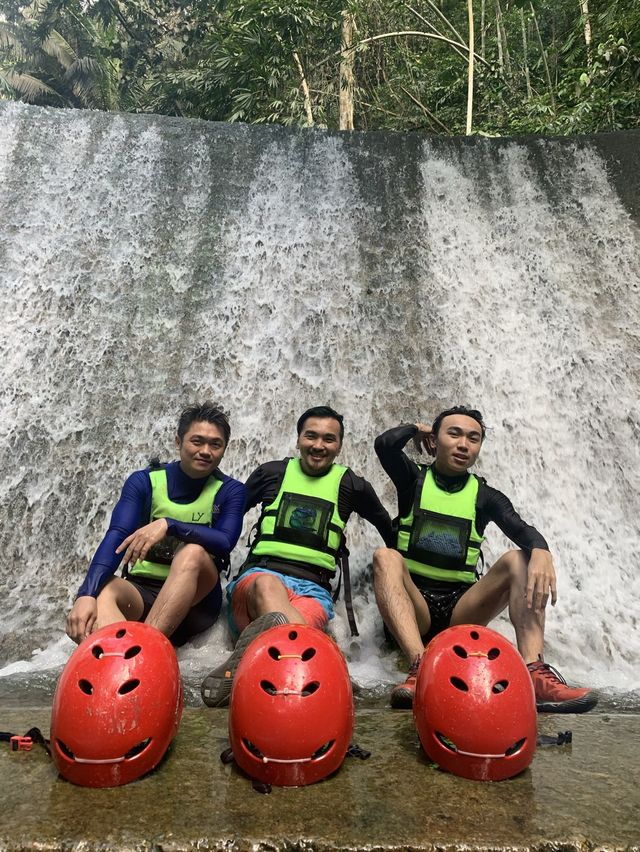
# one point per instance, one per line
(200, 511)
(438, 538)
(302, 525)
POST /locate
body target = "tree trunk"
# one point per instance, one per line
(305, 90)
(544, 59)
(586, 23)
(470, 72)
(503, 48)
(347, 78)
(525, 53)
(482, 29)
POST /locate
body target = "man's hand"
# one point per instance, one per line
(81, 618)
(138, 543)
(422, 438)
(541, 580)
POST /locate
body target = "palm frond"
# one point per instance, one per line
(10, 40)
(27, 87)
(58, 48)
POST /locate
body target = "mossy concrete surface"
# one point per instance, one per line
(583, 797)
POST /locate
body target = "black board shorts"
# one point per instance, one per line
(441, 600)
(200, 617)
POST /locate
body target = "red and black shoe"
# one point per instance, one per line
(402, 694)
(554, 696)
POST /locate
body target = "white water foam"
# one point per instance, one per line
(145, 262)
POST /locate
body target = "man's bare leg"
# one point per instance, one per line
(406, 614)
(403, 609)
(505, 584)
(267, 605)
(191, 577)
(118, 601)
(269, 594)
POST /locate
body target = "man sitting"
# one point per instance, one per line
(306, 503)
(430, 580)
(173, 527)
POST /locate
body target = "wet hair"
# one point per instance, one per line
(320, 411)
(473, 413)
(207, 412)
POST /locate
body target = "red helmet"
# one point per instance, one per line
(116, 707)
(291, 715)
(474, 706)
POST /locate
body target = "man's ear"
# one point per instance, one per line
(431, 438)
(178, 442)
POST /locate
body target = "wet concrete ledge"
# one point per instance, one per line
(583, 797)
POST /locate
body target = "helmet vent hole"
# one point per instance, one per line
(129, 686)
(293, 635)
(97, 652)
(132, 652)
(274, 653)
(474, 634)
(66, 750)
(516, 747)
(322, 750)
(493, 653)
(459, 684)
(268, 687)
(308, 654)
(500, 686)
(446, 742)
(460, 651)
(86, 686)
(122, 632)
(310, 688)
(137, 749)
(253, 749)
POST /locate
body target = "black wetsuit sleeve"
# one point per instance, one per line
(228, 511)
(402, 471)
(493, 505)
(130, 512)
(357, 495)
(263, 484)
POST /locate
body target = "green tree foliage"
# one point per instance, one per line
(547, 66)
(52, 53)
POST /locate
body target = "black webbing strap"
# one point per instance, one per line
(33, 735)
(343, 564)
(562, 738)
(355, 750)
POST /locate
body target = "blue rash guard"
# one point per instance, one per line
(133, 510)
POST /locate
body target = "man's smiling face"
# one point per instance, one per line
(319, 444)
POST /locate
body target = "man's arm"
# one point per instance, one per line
(129, 512)
(222, 537)
(402, 470)
(541, 576)
(493, 505)
(219, 539)
(358, 495)
(263, 484)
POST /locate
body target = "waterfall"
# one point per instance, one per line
(147, 262)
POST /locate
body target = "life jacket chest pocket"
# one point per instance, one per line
(303, 520)
(439, 540)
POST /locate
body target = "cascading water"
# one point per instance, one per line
(147, 262)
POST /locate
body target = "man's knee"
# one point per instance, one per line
(264, 587)
(387, 564)
(110, 591)
(511, 567)
(192, 559)
(516, 563)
